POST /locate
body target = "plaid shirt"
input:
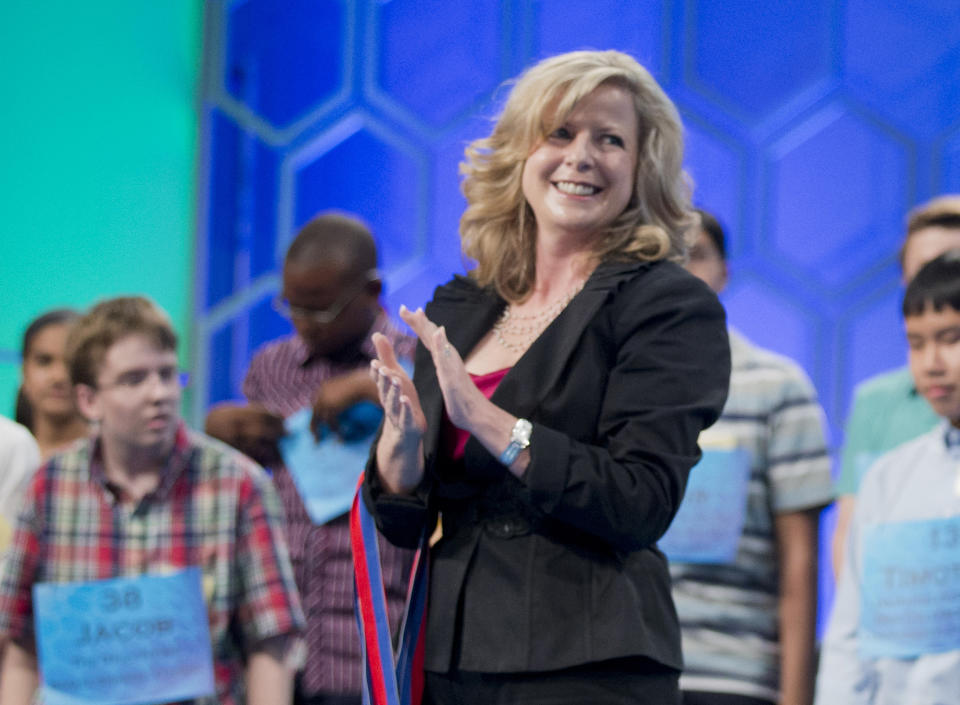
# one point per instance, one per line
(213, 508)
(285, 378)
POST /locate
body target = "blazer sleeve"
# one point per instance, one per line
(400, 518)
(669, 381)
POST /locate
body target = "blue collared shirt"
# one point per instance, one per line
(916, 481)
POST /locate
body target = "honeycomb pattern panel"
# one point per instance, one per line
(438, 58)
(812, 125)
(300, 40)
(448, 202)
(949, 168)
(603, 24)
(751, 57)
(770, 318)
(371, 174)
(263, 325)
(415, 288)
(234, 343)
(901, 59)
(716, 168)
(837, 187)
(241, 210)
(219, 352)
(869, 353)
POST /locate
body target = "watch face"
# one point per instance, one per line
(519, 439)
(521, 432)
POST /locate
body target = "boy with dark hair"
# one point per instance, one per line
(886, 409)
(748, 618)
(145, 496)
(331, 290)
(894, 634)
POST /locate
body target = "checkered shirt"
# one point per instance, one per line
(213, 508)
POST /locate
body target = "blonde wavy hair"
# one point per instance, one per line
(498, 228)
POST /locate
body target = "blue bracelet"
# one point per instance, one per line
(519, 439)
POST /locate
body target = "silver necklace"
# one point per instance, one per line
(516, 332)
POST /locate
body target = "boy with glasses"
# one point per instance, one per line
(145, 497)
(748, 617)
(330, 293)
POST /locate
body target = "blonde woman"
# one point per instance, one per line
(558, 393)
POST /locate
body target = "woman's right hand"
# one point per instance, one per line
(400, 448)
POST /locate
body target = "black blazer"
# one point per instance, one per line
(561, 568)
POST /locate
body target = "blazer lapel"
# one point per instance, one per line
(539, 370)
(467, 312)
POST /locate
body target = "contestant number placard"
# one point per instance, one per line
(910, 597)
(709, 523)
(124, 641)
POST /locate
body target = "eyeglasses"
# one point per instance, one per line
(139, 379)
(325, 315)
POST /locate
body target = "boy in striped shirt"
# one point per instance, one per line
(748, 624)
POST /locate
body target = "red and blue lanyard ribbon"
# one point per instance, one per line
(388, 679)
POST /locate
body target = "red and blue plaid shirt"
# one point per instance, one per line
(213, 508)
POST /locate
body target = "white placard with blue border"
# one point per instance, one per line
(709, 523)
(910, 596)
(124, 641)
(326, 471)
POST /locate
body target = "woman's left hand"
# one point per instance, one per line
(460, 395)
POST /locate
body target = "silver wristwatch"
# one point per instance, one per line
(519, 439)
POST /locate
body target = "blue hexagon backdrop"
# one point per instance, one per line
(812, 126)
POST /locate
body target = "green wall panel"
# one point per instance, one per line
(98, 138)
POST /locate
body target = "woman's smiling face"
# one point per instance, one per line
(580, 177)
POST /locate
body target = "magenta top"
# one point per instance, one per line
(455, 438)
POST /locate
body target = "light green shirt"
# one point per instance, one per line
(887, 411)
